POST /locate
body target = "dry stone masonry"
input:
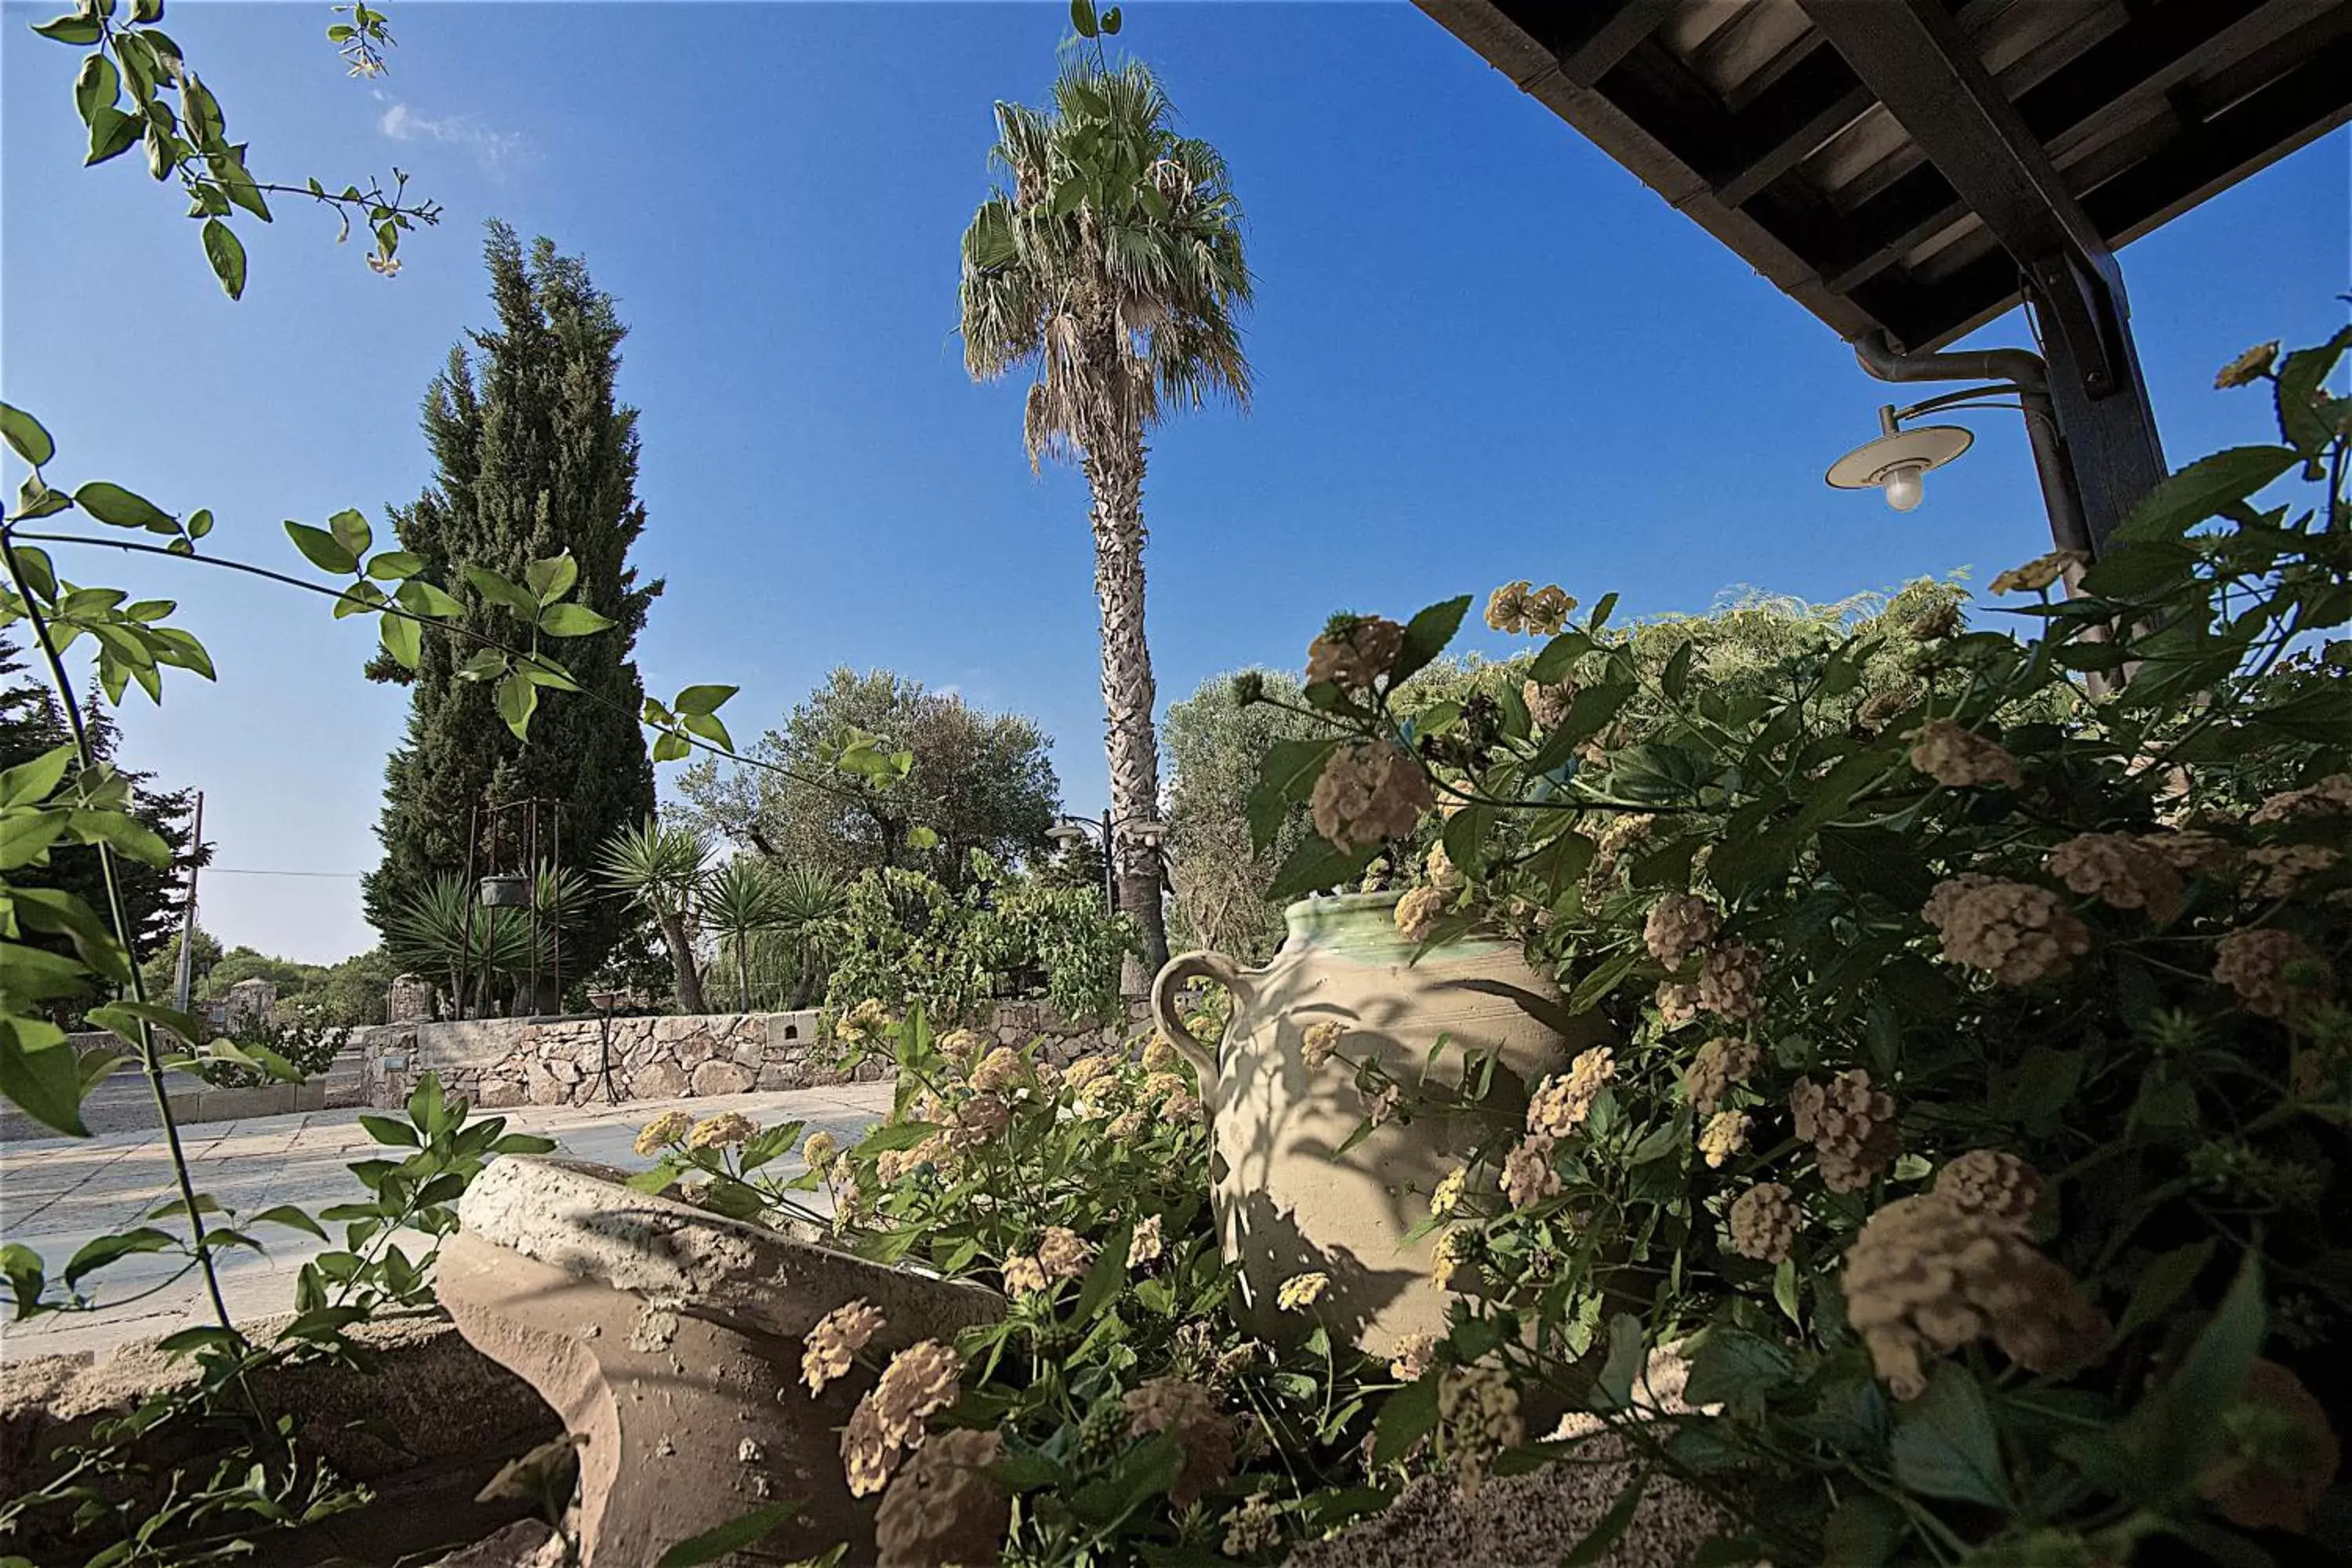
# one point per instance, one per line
(502, 1062)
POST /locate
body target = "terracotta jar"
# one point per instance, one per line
(1285, 1205)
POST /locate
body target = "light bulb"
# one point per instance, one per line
(1902, 486)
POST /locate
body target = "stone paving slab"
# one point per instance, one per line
(59, 1193)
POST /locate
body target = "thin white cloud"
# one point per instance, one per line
(496, 150)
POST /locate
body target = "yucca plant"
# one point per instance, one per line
(815, 902)
(738, 901)
(661, 869)
(442, 927)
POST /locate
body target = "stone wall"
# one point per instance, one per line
(589, 1060)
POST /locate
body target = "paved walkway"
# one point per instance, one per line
(59, 1193)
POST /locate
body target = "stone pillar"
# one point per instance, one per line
(410, 1000)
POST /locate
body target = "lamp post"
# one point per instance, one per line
(1068, 830)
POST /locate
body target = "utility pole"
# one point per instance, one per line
(183, 979)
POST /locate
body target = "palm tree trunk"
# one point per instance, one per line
(1114, 468)
(681, 959)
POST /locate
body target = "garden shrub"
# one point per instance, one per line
(908, 940)
(1973, 1125)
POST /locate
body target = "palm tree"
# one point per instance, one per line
(661, 869)
(1111, 269)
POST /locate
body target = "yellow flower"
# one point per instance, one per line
(1160, 1055)
(820, 1150)
(1528, 1176)
(1413, 1357)
(1301, 1290)
(726, 1128)
(1023, 1273)
(1144, 1245)
(1063, 1254)
(1000, 1070)
(838, 1336)
(1448, 1260)
(2038, 572)
(2248, 367)
(1448, 1195)
(1417, 912)
(1725, 1134)
(668, 1128)
(1318, 1041)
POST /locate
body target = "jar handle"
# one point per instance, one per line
(1185, 967)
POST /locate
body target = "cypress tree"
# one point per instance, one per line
(536, 459)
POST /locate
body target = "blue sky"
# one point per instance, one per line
(1483, 352)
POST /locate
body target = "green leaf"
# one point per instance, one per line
(551, 578)
(323, 549)
(25, 435)
(28, 783)
(124, 1019)
(359, 599)
(390, 1130)
(2202, 489)
(1408, 1416)
(497, 589)
(486, 665)
(1110, 25)
(1559, 656)
(402, 639)
(1675, 677)
(670, 747)
(96, 86)
(200, 523)
(41, 1077)
(733, 1536)
(1735, 1367)
(1285, 776)
(2302, 376)
(291, 1218)
(2176, 1429)
(572, 621)
(518, 700)
(923, 837)
(1425, 637)
(1943, 1444)
(112, 134)
(1613, 1389)
(226, 253)
(105, 1249)
(894, 1136)
(1314, 865)
(80, 29)
(419, 597)
(198, 1339)
(119, 507)
(2161, 1285)
(394, 564)
(1082, 17)
(352, 532)
(1863, 1531)
(703, 699)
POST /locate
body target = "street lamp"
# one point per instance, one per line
(1069, 831)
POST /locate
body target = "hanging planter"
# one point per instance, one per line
(506, 893)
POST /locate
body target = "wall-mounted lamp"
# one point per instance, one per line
(1896, 462)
